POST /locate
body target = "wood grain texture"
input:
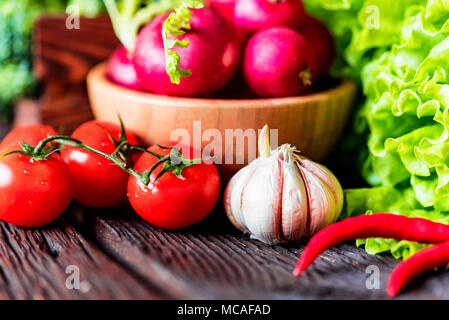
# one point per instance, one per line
(62, 66)
(210, 262)
(122, 257)
(69, 61)
(33, 265)
(64, 107)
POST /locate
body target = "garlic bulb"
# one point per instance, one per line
(282, 196)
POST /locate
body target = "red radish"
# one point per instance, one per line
(224, 7)
(279, 62)
(212, 55)
(251, 16)
(322, 44)
(120, 69)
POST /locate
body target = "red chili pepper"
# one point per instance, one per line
(380, 225)
(425, 260)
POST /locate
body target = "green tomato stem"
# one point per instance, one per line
(173, 162)
(114, 157)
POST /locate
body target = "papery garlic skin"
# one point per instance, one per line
(234, 191)
(282, 197)
(322, 204)
(295, 206)
(261, 202)
(328, 178)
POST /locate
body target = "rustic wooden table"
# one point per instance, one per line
(119, 256)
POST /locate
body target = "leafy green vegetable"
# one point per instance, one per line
(176, 25)
(88, 8)
(399, 51)
(16, 22)
(16, 26)
(128, 16)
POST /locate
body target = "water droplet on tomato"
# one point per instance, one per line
(78, 156)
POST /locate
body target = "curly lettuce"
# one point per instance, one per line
(399, 51)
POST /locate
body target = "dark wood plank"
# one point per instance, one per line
(62, 66)
(70, 60)
(65, 107)
(223, 265)
(220, 263)
(35, 264)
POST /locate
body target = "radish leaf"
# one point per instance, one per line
(177, 24)
(129, 16)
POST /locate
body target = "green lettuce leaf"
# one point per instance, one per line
(399, 52)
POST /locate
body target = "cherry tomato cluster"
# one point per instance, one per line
(100, 166)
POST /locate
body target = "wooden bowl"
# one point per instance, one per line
(312, 123)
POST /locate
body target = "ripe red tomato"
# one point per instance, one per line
(98, 182)
(30, 134)
(33, 193)
(170, 202)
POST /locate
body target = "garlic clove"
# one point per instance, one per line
(294, 201)
(329, 178)
(232, 197)
(322, 203)
(261, 201)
